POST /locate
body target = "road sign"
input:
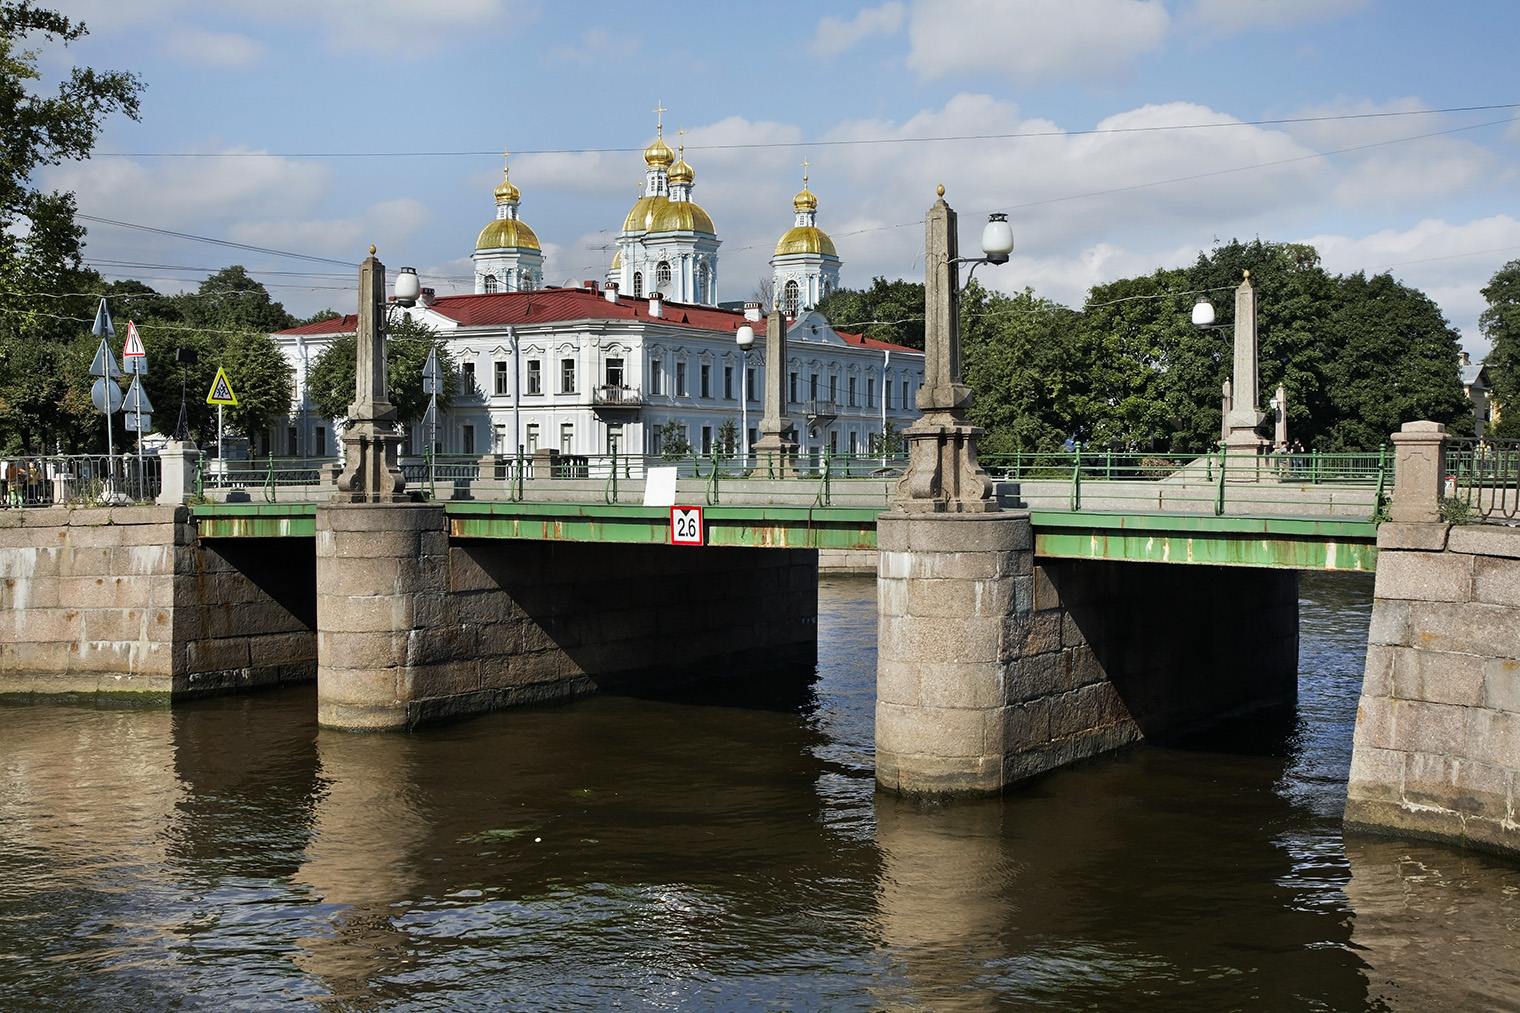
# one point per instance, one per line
(685, 525)
(137, 423)
(103, 328)
(104, 363)
(106, 389)
(137, 398)
(221, 390)
(133, 358)
(432, 376)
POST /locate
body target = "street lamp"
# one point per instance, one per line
(997, 244)
(744, 337)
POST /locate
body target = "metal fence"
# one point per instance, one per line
(1482, 480)
(83, 479)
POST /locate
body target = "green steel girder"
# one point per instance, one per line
(1293, 542)
(1299, 543)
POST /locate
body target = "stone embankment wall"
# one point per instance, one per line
(125, 600)
(992, 669)
(1437, 750)
(415, 628)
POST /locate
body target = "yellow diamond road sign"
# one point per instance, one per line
(221, 390)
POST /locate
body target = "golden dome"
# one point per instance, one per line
(617, 260)
(681, 216)
(681, 172)
(805, 201)
(507, 192)
(507, 233)
(658, 153)
(642, 214)
(806, 239)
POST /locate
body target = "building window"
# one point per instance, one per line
(854, 447)
(490, 284)
(614, 438)
(706, 380)
(852, 392)
(614, 372)
(728, 383)
(905, 396)
(833, 441)
(535, 377)
(870, 392)
(680, 379)
(468, 439)
(749, 384)
(656, 443)
(638, 284)
(567, 376)
(499, 375)
(706, 440)
(704, 284)
(662, 278)
(789, 300)
(532, 446)
(886, 390)
(793, 398)
(566, 438)
(834, 389)
(656, 377)
(812, 386)
(321, 441)
(467, 374)
(294, 442)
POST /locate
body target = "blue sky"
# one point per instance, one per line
(320, 127)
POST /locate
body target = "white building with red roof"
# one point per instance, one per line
(617, 369)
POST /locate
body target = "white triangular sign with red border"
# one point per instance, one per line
(133, 358)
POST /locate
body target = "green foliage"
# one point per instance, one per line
(673, 442)
(1500, 323)
(39, 239)
(726, 440)
(887, 311)
(330, 381)
(892, 441)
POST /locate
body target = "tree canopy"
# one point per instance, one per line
(1358, 356)
(330, 381)
(1500, 323)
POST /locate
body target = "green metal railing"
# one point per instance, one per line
(1482, 480)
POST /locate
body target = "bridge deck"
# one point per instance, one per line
(1324, 543)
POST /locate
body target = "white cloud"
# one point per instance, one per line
(399, 27)
(598, 44)
(1230, 17)
(217, 49)
(1030, 40)
(388, 225)
(836, 35)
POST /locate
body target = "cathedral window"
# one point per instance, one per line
(490, 284)
(704, 283)
(662, 278)
(638, 284)
(789, 300)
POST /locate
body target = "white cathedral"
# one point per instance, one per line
(607, 367)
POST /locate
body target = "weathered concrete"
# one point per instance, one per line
(1437, 745)
(126, 600)
(413, 629)
(992, 670)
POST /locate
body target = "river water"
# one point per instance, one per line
(635, 854)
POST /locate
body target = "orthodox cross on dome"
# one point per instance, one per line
(805, 164)
(659, 112)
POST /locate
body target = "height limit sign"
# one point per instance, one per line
(685, 525)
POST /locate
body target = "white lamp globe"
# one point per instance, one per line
(408, 288)
(997, 238)
(745, 337)
(1203, 312)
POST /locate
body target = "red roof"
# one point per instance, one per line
(346, 324)
(555, 305)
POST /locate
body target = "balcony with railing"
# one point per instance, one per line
(617, 397)
(820, 411)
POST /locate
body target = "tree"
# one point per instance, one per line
(1500, 323)
(40, 240)
(330, 381)
(887, 311)
(726, 440)
(673, 441)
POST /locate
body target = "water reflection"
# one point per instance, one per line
(701, 855)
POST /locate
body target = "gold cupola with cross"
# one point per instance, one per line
(805, 266)
(507, 255)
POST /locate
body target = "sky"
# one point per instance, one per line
(1120, 136)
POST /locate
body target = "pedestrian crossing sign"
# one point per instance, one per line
(221, 390)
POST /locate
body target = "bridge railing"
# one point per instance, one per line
(79, 479)
(1214, 482)
(1482, 480)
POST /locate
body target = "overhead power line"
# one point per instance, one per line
(841, 143)
(215, 242)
